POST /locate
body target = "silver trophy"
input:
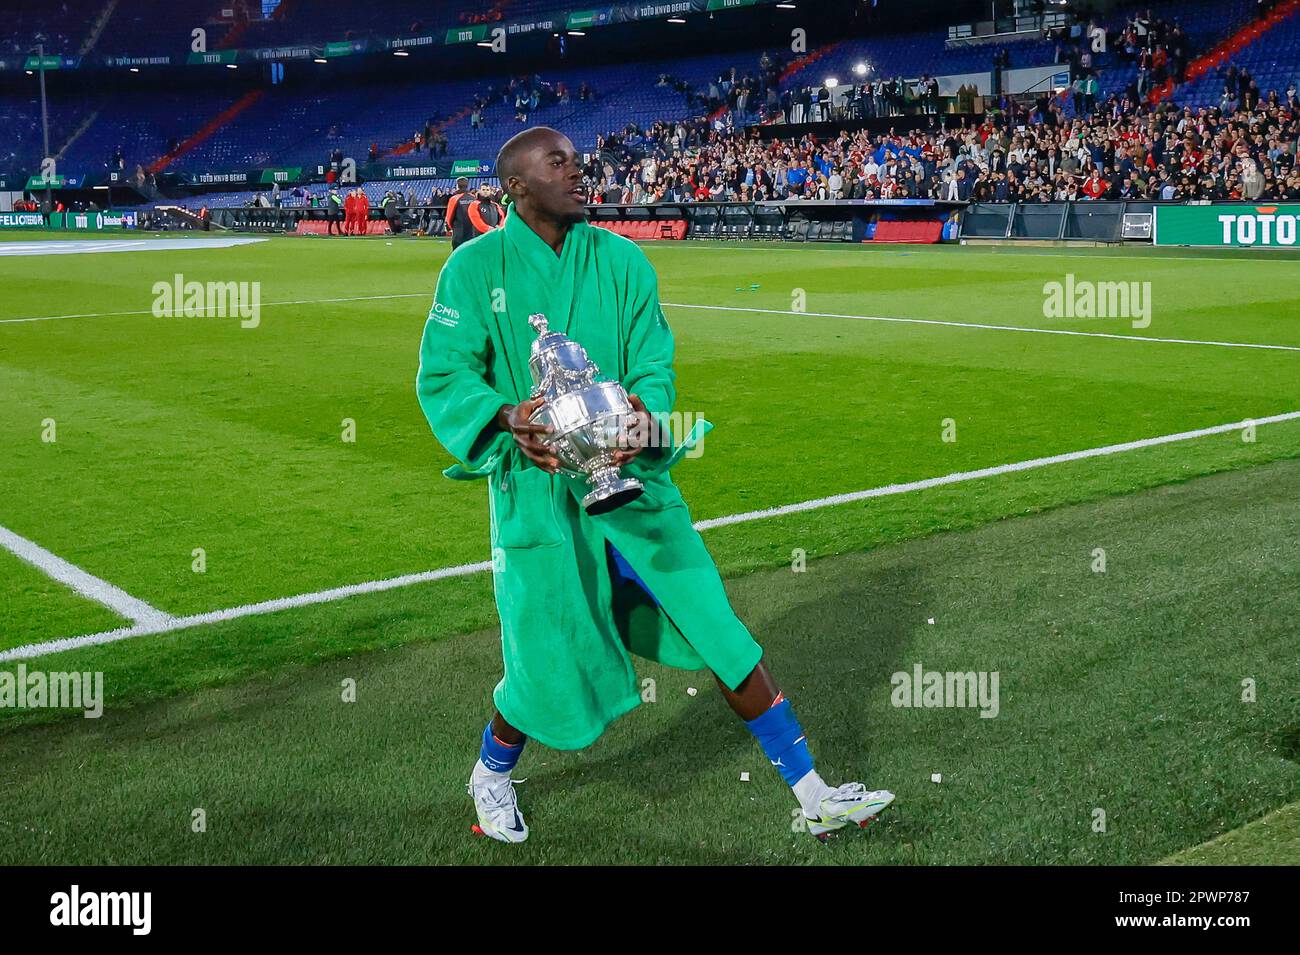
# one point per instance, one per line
(587, 416)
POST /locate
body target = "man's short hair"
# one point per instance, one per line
(516, 144)
(462, 183)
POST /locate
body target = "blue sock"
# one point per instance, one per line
(496, 755)
(782, 739)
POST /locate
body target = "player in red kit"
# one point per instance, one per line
(363, 212)
(349, 212)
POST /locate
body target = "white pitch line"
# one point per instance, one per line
(88, 585)
(961, 476)
(171, 625)
(999, 328)
(147, 311)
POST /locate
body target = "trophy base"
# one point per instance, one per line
(611, 495)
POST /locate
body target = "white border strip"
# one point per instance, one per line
(88, 585)
(998, 328)
(173, 624)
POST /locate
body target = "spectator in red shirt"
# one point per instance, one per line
(1095, 187)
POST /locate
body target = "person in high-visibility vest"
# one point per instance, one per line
(470, 215)
(462, 191)
(333, 210)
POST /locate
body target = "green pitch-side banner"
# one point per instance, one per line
(581, 19)
(216, 56)
(474, 34)
(470, 167)
(1244, 226)
(74, 181)
(78, 221)
(290, 174)
(52, 62)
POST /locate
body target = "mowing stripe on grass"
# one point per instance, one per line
(88, 585)
(148, 311)
(736, 308)
(999, 328)
(31, 650)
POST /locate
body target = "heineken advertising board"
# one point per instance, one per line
(471, 167)
(36, 183)
(1237, 226)
(581, 19)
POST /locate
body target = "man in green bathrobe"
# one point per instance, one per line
(579, 595)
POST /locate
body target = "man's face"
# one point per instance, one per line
(548, 179)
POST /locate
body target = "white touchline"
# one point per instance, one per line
(338, 593)
(999, 328)
(88, 585)
(961, 476)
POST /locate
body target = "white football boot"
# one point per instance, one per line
(848, 804)
(494, 800)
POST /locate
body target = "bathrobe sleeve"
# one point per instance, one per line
(452, 382)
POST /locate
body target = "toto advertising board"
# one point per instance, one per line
(1240, 225)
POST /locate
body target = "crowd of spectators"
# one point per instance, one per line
(1124, 149)
(52, 25)
(753, 95)
(526, 94)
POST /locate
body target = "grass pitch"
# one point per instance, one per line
(1121, 691)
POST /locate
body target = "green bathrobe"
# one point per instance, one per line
(566, 627)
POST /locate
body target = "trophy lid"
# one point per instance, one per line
(556, 355)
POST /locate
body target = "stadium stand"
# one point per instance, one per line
(671, 129)
(298, 127)
(63, 26)
(1266, 49)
